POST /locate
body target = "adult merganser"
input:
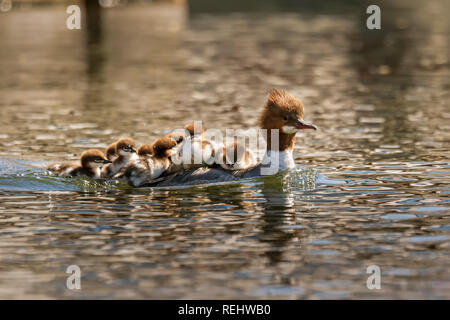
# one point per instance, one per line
(148, 167)
(125, 151)
(90, 163)
(282, 117)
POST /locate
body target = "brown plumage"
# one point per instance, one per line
(163, 146)
(159, 146)
(125, 144)
(177, 136)
(190, 127)
(113, 150)
(90, 162)
(145, 149)
(110, 151)
(282, 110)
(125, 150)
(149, 166)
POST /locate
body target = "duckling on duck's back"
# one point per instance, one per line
(90, 163)
(235, 156)
(149, 166)
(125, 151)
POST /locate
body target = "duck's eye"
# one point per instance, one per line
(285, 118)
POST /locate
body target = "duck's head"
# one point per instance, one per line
(283, 112)
(125, 147)
(93, 158)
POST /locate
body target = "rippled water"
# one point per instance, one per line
(373, 186)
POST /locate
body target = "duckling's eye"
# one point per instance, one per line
(285, 118)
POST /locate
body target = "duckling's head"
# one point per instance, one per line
(145, 149)
(93, 158)
(125, 147)
(195, 129)
(162, 147)
(111, 151)
(177, 135)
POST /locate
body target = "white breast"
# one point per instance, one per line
(97, 173)
(276, 161)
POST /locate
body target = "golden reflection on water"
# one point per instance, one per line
(379, 99)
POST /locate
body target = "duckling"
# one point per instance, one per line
(145, 149)
(195, 151)
(110, 151)
(90, 163)
(178, 136)
(234, 156)
(125, 151)
(150, 166)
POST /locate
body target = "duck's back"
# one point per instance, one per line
(206, 175)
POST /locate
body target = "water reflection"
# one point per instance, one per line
(277, 211)
(95, 54)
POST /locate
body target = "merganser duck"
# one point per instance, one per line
(90, 163)
(146, 168)
(124, 151)
(282, 117)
